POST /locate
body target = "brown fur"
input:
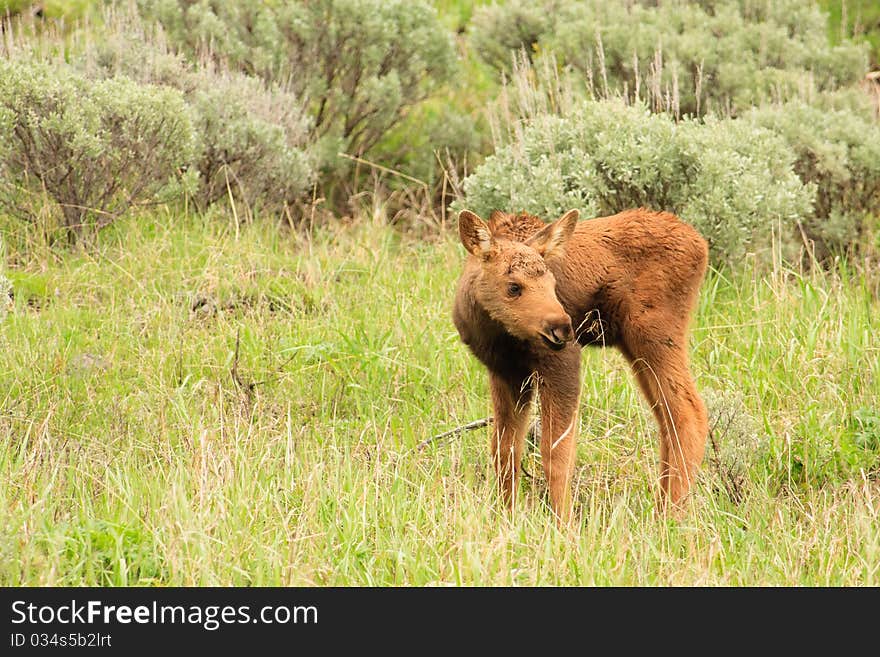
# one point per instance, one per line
(630, 281)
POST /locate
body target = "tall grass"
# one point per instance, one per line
(242, 406)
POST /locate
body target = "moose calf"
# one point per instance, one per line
(531, 295)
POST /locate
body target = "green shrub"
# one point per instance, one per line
(56, 15)
(253, 136)
(435, 129)
(13, 7)
(736, 445)
(839, 151)
(824, 447)
(497, 31)
(95, 149)
(732, 180)
(251, 140)
(722, 56)
(358, 64)
(125, 44)
(246, 35)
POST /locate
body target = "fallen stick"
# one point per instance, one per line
(476, 424)
(533, 435)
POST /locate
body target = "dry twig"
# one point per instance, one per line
(476, 424)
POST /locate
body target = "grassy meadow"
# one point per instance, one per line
(228, 235)
(195, 403)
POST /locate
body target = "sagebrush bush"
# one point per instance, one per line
(125, 44)
(252, 136)
(720, 56)
(246, 35)
(839, 151)
(736, 446)
(357, 64)
(497, 31)
(732, 180)
(252, 140)
(94, 149)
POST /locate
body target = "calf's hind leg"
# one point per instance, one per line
(665, 379)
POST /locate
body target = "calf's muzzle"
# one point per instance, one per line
(557, 331)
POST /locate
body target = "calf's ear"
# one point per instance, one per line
(475, 234)
(550, 241)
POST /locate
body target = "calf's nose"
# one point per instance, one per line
(560, 329)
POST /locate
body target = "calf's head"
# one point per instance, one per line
(514, 284)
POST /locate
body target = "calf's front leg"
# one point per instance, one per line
(559, 390)
(511, 402)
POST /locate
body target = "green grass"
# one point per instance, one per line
(129, 455)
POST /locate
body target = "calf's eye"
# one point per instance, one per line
(514, 289)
